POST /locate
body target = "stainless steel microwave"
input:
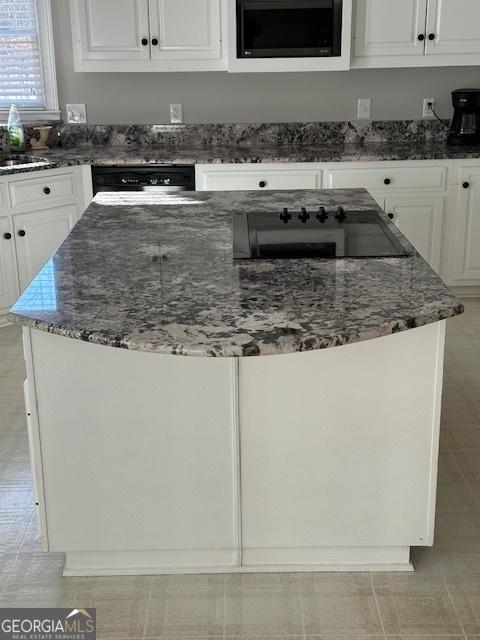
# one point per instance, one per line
(289, 28)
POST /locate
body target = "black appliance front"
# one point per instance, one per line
(289, 28)
(153, 177)
(314, 234)
(465, 128)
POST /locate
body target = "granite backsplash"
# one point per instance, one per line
(219, 135)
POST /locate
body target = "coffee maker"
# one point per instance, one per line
(465, 128)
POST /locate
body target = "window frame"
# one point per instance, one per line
(47, 59)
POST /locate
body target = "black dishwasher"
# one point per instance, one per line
(166, 178)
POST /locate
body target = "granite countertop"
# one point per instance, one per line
(155, 272)
(374, 151)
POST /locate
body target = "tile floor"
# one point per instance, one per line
(440, 601)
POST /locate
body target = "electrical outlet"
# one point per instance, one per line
(364, 111)
(76, 113)
(428, 103)
(176, 113)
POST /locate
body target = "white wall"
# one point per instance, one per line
(220, 97)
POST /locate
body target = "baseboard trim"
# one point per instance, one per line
(328, 559)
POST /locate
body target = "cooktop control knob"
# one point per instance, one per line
(285, 216)
(304, 215)
(340, 214)
(322, 215)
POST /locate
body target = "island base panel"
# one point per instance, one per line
(316, 461)
(339, 447)
(137, 449)
(335, 559)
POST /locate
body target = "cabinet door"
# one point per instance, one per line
(38, 235)
(390, 27)
(453, 26)
(111, 29)
(8, 273)
(420, 219)
(185, 29)
(467, 242)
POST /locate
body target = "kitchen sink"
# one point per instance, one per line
(21, 161)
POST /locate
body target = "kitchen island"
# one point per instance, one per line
(300, 432)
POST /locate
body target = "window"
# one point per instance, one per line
(27, 69)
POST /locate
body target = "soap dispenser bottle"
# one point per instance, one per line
(15, 131)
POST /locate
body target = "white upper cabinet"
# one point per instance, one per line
(185, 29)
(147, 35)
(112, 29)
(453, 27)
(390, 27)
(416, 33)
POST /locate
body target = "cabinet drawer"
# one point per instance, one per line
(40, 192)
(260, 180)
(387, 178)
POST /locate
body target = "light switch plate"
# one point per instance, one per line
(364, 111)
(76, 113)
(176, 113)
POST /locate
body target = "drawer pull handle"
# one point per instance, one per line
(391, 216)
(466, 185)
(144, 41)
(387, 181)
(431, 36)
(262, 184)
(22, 233)
(7, 236)
(421, 37)
(46, 190)
(154, 41)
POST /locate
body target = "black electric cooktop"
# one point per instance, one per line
(319, 233)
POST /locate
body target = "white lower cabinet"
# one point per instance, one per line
(8, 275)
(420, 219)
(37, 211)
(466, 267)
(38, 235)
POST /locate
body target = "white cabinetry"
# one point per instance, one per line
(420, 219)
(416, 33)
(415, 193)
(147, 35)
(37, 211)
(8, 275)
(269, 176)
(186, 29)
(390, 28)
(454, 27)
(111, 30)
(38, 235)
(467, 235)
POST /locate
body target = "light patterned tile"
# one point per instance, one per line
(411, 605)
(185, 612)
(256, 611)
(465, 593)
(121, 611)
